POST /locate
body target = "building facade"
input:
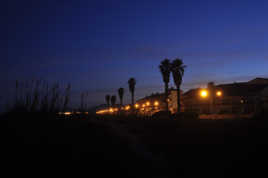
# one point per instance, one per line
(236, 98)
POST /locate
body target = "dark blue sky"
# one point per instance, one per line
(98, 45)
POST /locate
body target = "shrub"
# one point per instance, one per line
(162, 115)
(186, 115)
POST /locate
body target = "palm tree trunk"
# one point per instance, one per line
(121, 101)
(179, 99)
(132, 98)
(166, 96)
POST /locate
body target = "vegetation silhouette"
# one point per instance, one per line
(113, 100)
(107, 99)
(38, 96)
(165, 69)
(177, 69)
(121, 95)
(131, 85)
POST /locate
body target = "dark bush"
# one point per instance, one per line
(261, 115)
(162, 115)
(185, 115)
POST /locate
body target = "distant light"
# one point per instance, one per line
(219, 93)
(102, 111)
(127, 107)
(143, 105)
(136, 105)
(148, 103)
(111, 110)
(67, 113)
(156, 103)
(204, 93)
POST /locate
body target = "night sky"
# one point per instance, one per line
(98, 45)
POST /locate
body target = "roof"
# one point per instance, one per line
(158, 96)
(241, 89)
(250, 88)
(258, 81)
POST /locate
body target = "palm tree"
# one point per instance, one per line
(165, 69)
(131, 84)
(121, 95)
(113, 100)
(107, 98)
(177, 68)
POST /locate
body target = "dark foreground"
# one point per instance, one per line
(133, 147)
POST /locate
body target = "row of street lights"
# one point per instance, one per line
(128, 107)
(204, 93)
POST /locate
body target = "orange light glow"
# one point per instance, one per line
(67, 113)
(219, 93)
(204, 93)
(148, 103)
(104, 111)
(143, 105)
(136, 105)
(127, 108)
(156, 103)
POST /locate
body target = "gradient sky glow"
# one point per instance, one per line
(97, 45)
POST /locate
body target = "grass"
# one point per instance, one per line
(134, 147)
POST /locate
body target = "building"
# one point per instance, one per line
(236, 98)
(151, 104)
(156, 102)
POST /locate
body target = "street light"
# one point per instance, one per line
(127, 107)
(136, 106)
(156, 103)
(204, 93)
(219, 93)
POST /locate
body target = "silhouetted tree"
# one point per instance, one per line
(113, 100)
(82, 104)
(107, 99)
(36, 97)
(66, 97)
(165, 69)
(45, 99)
(55, 94)
(131, 85)
(177, 68)
(121, 95)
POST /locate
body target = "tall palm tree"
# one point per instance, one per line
(121, 95)
(165, 69)
(177, 68)
(131, 85)
(113, 100)
(107, 98)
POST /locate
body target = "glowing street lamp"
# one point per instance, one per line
(156, 103)
(127, 108)
(136, 106)
(219, 93)
(204, 93)
(148, 103)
